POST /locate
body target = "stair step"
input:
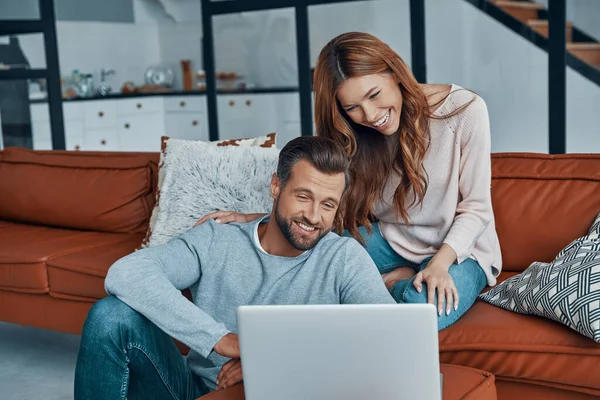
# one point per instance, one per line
(588, 52)
(521, 10)
(519, 4)
(541, 27)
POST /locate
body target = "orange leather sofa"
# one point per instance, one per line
(65, 217)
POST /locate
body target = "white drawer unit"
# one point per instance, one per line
(242, 116)
(75, 143)
(230, 108)
(140, 105)
(137, 124)
(42, 136)
(141, 133)
(185, 104)
(102, 140)
(100, 114)
(71, 111)
(189, 126)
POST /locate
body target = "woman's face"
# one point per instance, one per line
(372, 100)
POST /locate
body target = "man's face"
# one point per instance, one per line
(306, 207)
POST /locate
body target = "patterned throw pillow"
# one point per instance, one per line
(196, 178)
(567, 290)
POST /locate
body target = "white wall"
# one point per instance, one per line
(389, 20)
(128, 48)
(89, 46)
(471, 49)
(583, 114)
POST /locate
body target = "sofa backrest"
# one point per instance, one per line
(542, 203)
(100, 191)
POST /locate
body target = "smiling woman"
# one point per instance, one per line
(420, 163)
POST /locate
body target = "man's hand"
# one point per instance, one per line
(230, 374)
(228, 346)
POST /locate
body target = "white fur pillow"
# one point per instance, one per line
(197, 178)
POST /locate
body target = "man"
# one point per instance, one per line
(288, 257)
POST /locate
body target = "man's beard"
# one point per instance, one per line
(299, 243)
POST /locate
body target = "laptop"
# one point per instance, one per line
(346, 352)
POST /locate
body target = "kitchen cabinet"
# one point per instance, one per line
(102, 140)
(185, 104)
(100, 114)
(42, 137)
(140, 132)
(137, 124)
(104, 125)
(139, 106)
(254, 115)
(189, 126)
(186, 118)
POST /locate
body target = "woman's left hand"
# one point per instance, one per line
(438, 280)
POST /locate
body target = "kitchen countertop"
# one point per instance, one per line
(175, 93)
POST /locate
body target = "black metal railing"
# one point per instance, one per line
(45, 25)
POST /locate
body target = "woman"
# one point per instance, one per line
(420, 164)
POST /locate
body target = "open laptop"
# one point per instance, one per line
(346, 352)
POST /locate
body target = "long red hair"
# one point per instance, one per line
(372, 158)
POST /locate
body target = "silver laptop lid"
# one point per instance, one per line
(342, 352)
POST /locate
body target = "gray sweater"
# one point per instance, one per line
(225, 267)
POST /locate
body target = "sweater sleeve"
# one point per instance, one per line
(474, 211)
(362, 283)
(150, 281)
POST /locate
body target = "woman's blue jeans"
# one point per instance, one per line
(124, 355)
(468, 276)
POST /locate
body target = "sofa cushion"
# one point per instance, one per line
(82, 273)
(25, 249)
(109, 192)
(515, 346)
(541, 203)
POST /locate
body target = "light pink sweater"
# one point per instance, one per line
(457, 207)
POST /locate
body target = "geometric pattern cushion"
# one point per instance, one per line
(566, 290)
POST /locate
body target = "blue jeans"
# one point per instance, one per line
(468, 276)
(124, 355)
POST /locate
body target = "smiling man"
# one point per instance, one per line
(288, 257)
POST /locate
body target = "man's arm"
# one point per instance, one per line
(150, 281)
(362, 282)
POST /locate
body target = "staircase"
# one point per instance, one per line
(533, 15)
